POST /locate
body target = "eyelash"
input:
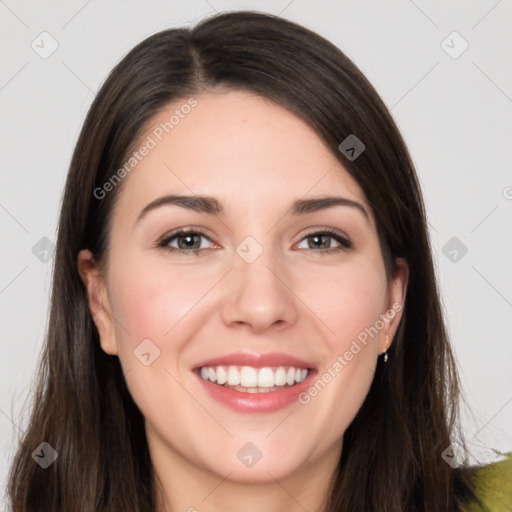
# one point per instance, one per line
(344, 243)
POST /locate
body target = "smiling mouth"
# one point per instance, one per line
(248, 379)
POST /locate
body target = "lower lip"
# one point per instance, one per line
(256, 402)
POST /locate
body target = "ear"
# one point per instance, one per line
(99, 304)
(395, 304)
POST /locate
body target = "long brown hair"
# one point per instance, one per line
(392, 452)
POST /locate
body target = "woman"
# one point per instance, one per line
(244, 312)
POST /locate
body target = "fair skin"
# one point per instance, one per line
(256, 158)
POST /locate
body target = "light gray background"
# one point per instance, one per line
(454, 113)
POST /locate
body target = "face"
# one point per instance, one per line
(239, 279)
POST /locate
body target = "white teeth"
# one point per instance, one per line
(265, 378)
(280, 376)
(233, 376)
(248, 377)
(222, 376)
(300, 374)
(254, 380)
(257, 390)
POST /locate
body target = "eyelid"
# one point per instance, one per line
(166, 239)
(343, 239)
(319, 229)
(185, 230)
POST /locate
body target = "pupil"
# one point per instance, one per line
(317, 238)
(189, 243)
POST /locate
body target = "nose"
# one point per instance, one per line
(259, 295)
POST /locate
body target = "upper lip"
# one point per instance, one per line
(255, 360)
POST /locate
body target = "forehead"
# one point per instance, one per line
(247, 150)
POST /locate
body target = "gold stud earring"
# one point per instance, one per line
(386, 351)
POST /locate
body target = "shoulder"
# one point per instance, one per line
(493, 486)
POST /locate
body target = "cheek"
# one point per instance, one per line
(154, 299)
(349, 304)
(153, 303)
(347, 300)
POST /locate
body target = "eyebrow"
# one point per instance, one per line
(212, 206)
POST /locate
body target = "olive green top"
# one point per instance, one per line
(494, 487)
